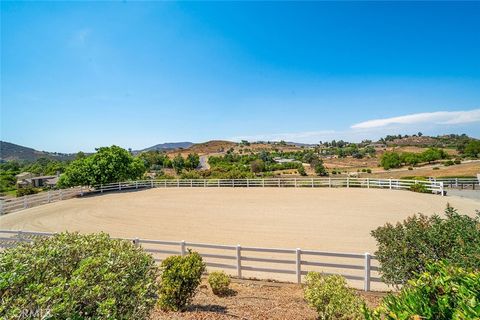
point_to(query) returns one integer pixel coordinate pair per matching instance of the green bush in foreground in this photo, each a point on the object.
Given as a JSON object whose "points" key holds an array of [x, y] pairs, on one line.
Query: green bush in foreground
{"points": [[442, 293], [179, 280], [73, 276], [219, 282], [331, 297], [406, 248]]}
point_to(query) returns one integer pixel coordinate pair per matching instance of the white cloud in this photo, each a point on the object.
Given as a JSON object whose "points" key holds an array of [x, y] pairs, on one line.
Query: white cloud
{"points": [[438, 118], [432, 123]]}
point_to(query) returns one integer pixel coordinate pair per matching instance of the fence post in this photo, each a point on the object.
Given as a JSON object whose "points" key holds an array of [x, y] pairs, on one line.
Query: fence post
{"points": [[191, 183], [348, 182], [204, 183], [151, 183], [239, 261], [366, 284], [81, 191], [119, 186], [279, 182], [298, 265], [233, 183], [48, 197], [312, 182], [368, 183], [248, 183], [136, 242], [329, 182], [218, 183], [390, 183], [25, 202], [441, 188], [182, 248], [20, 235], [101, 188], [263, 183]]}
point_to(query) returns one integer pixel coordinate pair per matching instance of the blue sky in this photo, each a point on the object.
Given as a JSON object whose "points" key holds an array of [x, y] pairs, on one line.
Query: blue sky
{"points": [[78, 75]]}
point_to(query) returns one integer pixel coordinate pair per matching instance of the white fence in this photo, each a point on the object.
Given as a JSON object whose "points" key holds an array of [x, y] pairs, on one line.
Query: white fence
{"points": [[238, 260], [34, 200], [16, 204], [461, 183]]}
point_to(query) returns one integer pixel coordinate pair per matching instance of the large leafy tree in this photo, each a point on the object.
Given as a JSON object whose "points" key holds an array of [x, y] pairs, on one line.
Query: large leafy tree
{"points": [[472, 148], [108, 164], [178, 163], [390, 160], [192, 161]]}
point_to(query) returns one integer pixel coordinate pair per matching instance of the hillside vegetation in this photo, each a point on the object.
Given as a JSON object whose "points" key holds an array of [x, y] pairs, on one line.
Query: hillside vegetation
{"points": [[392, 157]]}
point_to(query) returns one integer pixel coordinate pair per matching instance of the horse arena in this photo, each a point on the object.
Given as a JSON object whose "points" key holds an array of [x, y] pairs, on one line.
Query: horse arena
{"points": [[338, 219], [332, 225]]}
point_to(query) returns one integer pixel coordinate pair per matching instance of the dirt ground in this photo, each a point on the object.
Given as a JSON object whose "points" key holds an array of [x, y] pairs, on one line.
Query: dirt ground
{"points": [[253, 300], [322, 219], [333, 220]]}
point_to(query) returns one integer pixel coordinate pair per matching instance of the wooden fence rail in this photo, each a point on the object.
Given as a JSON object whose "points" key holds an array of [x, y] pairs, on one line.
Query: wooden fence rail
{"points": [[24, 202], [239, 259]]}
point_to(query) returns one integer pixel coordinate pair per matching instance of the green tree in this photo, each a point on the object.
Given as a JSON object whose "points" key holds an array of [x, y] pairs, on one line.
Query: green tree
{"points": [[107, 165], [390, 160], [433, 154], [472, 148], [178, 163], [318, 167], [192, 161]]}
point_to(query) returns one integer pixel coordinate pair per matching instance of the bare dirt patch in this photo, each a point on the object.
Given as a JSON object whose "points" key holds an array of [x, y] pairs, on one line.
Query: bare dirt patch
{"points": [[253, 300]]}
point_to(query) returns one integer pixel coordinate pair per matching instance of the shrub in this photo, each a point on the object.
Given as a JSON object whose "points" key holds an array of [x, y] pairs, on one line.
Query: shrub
{"points": [[406, 248], [448, 163], [301, 170], [331, 297], [457, 161], [219, 282], [73, 276], [27, 191], [435, 168], [443, 292], [179, 280], [369, 170], [410, 168], [418, 187]]}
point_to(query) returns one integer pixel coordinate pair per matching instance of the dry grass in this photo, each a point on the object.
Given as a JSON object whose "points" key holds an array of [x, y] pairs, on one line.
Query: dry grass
{"points": [[464, 169], [253, 300]]}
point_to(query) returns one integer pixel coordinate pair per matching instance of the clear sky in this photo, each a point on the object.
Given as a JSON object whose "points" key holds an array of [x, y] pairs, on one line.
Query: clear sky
{"points": [[78, 75]]}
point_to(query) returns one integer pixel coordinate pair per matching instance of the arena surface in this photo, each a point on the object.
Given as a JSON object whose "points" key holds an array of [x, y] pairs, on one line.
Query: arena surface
{"points": [[319, 219]]}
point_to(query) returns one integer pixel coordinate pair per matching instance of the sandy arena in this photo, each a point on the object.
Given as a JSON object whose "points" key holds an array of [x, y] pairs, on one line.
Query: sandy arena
{"points": [[320, 219]]}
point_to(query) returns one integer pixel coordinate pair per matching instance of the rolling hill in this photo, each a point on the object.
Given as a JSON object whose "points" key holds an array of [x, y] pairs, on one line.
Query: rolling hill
{"points": [[11, 151]]}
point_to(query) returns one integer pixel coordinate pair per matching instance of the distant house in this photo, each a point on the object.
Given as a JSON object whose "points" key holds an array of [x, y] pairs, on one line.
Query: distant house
{"points": [[27, 179]]}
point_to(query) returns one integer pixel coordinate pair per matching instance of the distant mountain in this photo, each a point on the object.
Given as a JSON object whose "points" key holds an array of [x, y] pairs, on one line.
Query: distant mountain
{"points": [[168, 146], [11, 151], [299, 144]]}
